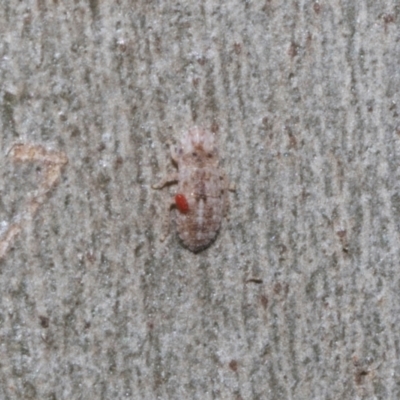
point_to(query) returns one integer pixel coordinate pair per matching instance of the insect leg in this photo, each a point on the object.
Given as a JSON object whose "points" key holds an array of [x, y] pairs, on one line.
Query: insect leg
{"points": [[168, 179], [174, 154], [166, 221]]}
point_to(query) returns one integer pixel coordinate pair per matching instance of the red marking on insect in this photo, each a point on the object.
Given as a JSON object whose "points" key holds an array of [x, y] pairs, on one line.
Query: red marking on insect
{"points": [[181, 203]]}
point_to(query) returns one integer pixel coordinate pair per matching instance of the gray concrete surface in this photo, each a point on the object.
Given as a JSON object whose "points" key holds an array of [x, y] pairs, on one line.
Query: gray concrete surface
{"points": [[299, 297]]}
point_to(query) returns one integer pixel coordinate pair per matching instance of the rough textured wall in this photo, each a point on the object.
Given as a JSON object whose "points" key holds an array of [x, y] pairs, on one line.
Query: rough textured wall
{"points": [[299, 297]]}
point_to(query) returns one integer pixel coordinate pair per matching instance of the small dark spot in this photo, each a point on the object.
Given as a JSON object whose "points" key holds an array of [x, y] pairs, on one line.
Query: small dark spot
{"points": [[103, 180], [157, 43], [389, 18], [317, 8], [237, 47], [118, 162], [90, 256], [214, 127], [10, 97], [254, 280], [122, 46], [360, 375], [101, 147], [75, 132], [282, 249], [281, 287], [293, 50], [233, 365], [209, 155], [44, 321], [266, 6], [264, 301], [356, 361], [196, 82], [94, 8], [265, 121], [342, 233], [201, 60], [277, 287], [309, 39], [150, 325], [194, 154], [292, 141], [87, 325]]}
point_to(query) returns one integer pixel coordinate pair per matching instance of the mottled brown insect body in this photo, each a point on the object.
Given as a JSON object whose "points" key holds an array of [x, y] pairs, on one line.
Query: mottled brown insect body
{"points": [[202, 187]]}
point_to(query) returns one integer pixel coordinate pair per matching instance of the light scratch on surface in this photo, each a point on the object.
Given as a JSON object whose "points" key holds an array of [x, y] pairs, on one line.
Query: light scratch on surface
{"points": [[52, 162]]}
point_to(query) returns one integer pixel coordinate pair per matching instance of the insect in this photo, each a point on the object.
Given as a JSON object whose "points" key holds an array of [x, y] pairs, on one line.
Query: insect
{"points": [[201, 200]]}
